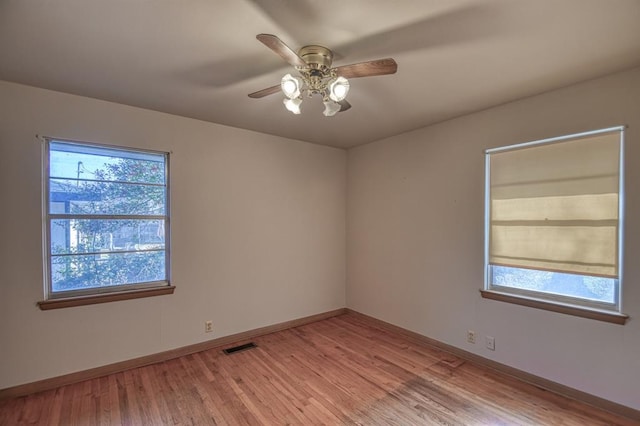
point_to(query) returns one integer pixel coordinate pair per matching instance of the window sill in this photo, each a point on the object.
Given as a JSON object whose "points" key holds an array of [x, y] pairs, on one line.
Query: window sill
{"points": [[612, 317], [68, 302]]}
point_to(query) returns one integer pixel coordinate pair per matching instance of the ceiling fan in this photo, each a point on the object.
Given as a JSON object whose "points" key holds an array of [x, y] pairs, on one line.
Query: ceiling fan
{"points": [[313, 63]]}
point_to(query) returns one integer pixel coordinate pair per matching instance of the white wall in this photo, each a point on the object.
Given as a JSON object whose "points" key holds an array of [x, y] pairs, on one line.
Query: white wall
{"points": [[258, 235], [415, 239]]}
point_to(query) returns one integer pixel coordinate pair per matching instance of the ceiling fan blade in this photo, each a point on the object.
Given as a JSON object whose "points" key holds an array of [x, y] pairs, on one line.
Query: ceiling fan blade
{"points": [[265, 92], [284, 51], [453, 26], [368, 69], [344, 105]]}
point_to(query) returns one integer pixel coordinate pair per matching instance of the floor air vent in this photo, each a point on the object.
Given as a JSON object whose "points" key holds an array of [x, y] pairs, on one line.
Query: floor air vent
{"points": [[235, 349]]}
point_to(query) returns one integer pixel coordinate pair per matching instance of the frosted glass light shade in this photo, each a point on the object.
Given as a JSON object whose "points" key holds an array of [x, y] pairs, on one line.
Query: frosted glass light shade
{"points": [[293, 105], [330, 108]]}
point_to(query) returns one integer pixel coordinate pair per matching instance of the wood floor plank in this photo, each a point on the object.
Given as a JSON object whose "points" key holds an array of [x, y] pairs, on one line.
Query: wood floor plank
{"points": [[344, 370]]}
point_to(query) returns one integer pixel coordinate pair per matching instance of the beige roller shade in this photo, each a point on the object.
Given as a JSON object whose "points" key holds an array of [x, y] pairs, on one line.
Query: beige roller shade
{"points": [[555, 206]]}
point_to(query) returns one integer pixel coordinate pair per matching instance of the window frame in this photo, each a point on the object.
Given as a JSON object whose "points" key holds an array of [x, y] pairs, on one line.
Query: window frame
{"points": [[76, 297], [610, 312]]}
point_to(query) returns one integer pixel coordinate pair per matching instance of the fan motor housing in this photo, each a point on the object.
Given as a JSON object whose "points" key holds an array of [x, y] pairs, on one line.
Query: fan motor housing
{"points": [[317, 57]]}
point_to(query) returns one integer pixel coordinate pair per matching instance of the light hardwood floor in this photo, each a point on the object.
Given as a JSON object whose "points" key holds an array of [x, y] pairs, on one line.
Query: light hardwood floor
{"points": [[340, 371]]}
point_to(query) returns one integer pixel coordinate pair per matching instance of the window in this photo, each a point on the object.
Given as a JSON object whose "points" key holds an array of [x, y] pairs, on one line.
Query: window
{"points": [[106, 219], [554, 223]]}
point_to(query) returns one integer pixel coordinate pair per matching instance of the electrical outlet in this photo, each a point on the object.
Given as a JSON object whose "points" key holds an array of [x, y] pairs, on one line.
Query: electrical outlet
{"points": [[208, 326], [471, 336], [491, 343]]}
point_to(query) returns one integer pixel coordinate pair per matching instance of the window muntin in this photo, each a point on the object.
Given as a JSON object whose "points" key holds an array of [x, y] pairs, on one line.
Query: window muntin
{"points": [[554, 219], [107, 221]]}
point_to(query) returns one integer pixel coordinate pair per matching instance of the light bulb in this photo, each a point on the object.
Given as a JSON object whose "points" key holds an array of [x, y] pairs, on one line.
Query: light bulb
{"points": [[338, 89], [291, 86]]}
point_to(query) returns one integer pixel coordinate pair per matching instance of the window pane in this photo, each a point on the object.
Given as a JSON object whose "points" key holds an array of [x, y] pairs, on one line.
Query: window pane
{"points": [[84, 162], [106, 198], [571, 285], [77, 272], [100, 200], [78, 236]]}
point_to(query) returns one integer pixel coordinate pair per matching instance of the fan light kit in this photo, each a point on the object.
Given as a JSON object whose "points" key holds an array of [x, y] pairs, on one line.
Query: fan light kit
{"points": [[313, 63], [333, 90]]}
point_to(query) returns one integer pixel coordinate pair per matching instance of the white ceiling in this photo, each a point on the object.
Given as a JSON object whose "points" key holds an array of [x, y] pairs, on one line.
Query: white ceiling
{"points": [[200, 58]]}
